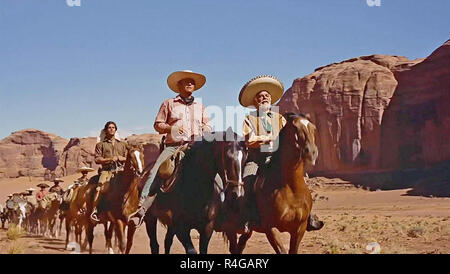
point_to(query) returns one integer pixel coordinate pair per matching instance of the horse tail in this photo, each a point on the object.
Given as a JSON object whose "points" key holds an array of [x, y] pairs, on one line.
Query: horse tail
{"points": [[225, 238]]}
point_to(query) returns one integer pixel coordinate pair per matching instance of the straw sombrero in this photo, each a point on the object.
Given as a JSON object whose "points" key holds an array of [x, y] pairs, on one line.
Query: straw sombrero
{"points": [[31, 189], [85, 169], [175, 77], [44, 185], [264, 82], [58, 180]]}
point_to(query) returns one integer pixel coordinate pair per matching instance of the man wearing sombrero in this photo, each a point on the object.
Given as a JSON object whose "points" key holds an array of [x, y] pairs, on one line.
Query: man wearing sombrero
{"points": [[84, 175], [180, 118], [42, 192], [56, 187], [261, 129]]}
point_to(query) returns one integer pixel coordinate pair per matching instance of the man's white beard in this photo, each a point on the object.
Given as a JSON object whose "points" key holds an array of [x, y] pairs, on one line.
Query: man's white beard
{"points": [[264, 107]]}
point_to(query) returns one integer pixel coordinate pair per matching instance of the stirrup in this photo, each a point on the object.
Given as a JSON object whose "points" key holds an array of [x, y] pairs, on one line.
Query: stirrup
{"points": [[135, 215], [94, 217]]}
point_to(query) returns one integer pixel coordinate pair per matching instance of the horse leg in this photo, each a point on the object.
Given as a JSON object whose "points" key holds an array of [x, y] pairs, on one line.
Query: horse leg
{"points": [[90, 235], [205, 237], [232, 240], [243, 241], [296, 237], [183, 234], [150, 225], [168, 240], [120, 231], [67, 231], [275, 241], [108, 237], [130, 235]]}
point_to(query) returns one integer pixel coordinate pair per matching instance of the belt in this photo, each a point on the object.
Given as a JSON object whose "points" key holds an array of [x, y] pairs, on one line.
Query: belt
{"points": [[176, 144]]}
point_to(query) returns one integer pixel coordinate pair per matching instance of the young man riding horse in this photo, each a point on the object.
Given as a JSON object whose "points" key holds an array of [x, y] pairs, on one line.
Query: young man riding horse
{"points": [[261, 129], [180, 118], [111, 153]]}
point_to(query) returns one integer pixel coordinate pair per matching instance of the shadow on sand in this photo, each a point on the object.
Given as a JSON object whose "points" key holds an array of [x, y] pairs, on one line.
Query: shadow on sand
{"points": [[432, 181]]}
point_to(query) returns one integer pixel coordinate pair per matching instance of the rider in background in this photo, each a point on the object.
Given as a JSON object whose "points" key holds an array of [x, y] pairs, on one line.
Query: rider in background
{"points": [[42, 192], [56, 187], [111, 153]]}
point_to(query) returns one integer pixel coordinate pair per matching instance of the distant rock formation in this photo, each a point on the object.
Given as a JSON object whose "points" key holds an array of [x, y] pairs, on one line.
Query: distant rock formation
{"points": [[416, 127], [30, 152], [377, 112]]}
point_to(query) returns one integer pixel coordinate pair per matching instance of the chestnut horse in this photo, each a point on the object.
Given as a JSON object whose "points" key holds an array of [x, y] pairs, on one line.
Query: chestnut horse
{"points": [[120, 200], [283, 199], [193, 202]]}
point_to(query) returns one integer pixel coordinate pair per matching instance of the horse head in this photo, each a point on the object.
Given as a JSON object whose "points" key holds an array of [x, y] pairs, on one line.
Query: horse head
{"points": [[232, 153], [135, 159], [299, 132]]}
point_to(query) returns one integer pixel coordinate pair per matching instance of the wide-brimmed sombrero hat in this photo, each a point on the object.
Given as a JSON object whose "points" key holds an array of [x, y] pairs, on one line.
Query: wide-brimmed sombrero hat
{"points": [[30, 189], [85, 169], [269, 83], [43, 185], [58, 180], [175, 77]]}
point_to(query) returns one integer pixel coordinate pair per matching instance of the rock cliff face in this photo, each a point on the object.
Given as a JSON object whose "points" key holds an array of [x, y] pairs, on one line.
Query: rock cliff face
{"points": [[30, 152], [151, 143], [77, 153], [416, 126], [346, 101]]}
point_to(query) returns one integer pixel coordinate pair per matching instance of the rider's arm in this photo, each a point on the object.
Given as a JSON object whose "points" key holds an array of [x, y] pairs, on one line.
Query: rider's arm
{"points": [[98, 156], [161, 124], [123, 153], [206, 125], [251, 139]]}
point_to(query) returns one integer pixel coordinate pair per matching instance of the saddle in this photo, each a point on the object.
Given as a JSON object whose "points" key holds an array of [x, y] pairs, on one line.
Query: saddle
{"points": [[169, 169]]}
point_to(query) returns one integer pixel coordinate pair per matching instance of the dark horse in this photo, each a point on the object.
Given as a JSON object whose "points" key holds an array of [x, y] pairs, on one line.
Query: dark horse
{"points": [[193, 202]]}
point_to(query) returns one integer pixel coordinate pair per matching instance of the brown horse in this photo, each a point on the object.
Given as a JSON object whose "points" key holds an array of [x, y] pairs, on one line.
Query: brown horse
{"points": [[76, 216], [120, 200], [283, 199], [47, 213]]}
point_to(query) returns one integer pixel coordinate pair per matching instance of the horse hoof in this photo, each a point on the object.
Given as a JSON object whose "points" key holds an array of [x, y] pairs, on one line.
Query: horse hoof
{"points": [[110, 250], [191, 251]]}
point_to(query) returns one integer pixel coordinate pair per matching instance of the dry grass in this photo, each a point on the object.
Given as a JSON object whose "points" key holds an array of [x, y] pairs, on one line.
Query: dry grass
{"points": [[16, 247], [14, 232], [416, 231]]}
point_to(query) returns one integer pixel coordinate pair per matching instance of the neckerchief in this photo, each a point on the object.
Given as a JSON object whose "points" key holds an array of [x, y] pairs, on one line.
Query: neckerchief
{"points": [[265, 121], [188, 101]]}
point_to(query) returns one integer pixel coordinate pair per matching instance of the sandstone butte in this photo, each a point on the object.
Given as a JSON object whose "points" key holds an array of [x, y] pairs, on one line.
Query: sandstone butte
{"points": [[377, 112]]}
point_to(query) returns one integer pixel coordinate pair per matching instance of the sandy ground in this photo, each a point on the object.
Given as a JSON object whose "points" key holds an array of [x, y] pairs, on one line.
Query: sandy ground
{"points": [[353, 218]]}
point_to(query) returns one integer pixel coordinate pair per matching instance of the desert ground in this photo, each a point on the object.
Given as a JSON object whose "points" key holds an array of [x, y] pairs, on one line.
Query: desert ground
{"points": [[353, 217]]}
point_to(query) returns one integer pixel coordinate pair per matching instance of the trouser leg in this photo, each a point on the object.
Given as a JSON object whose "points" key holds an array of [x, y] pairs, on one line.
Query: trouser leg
{"points": [[249, 177], [165, 154]]}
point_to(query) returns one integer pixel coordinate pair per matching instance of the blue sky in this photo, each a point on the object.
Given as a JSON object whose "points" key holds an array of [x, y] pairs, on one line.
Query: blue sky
{"points": [[68, 70]]}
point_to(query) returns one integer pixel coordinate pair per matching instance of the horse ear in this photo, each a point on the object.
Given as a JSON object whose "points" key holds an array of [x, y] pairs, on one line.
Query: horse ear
{"points": [[290, 116]]}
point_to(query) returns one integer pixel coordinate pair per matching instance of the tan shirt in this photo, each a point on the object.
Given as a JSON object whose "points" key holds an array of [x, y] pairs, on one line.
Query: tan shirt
{"points": [[255, 133], [109, 149], [174, 112]]}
